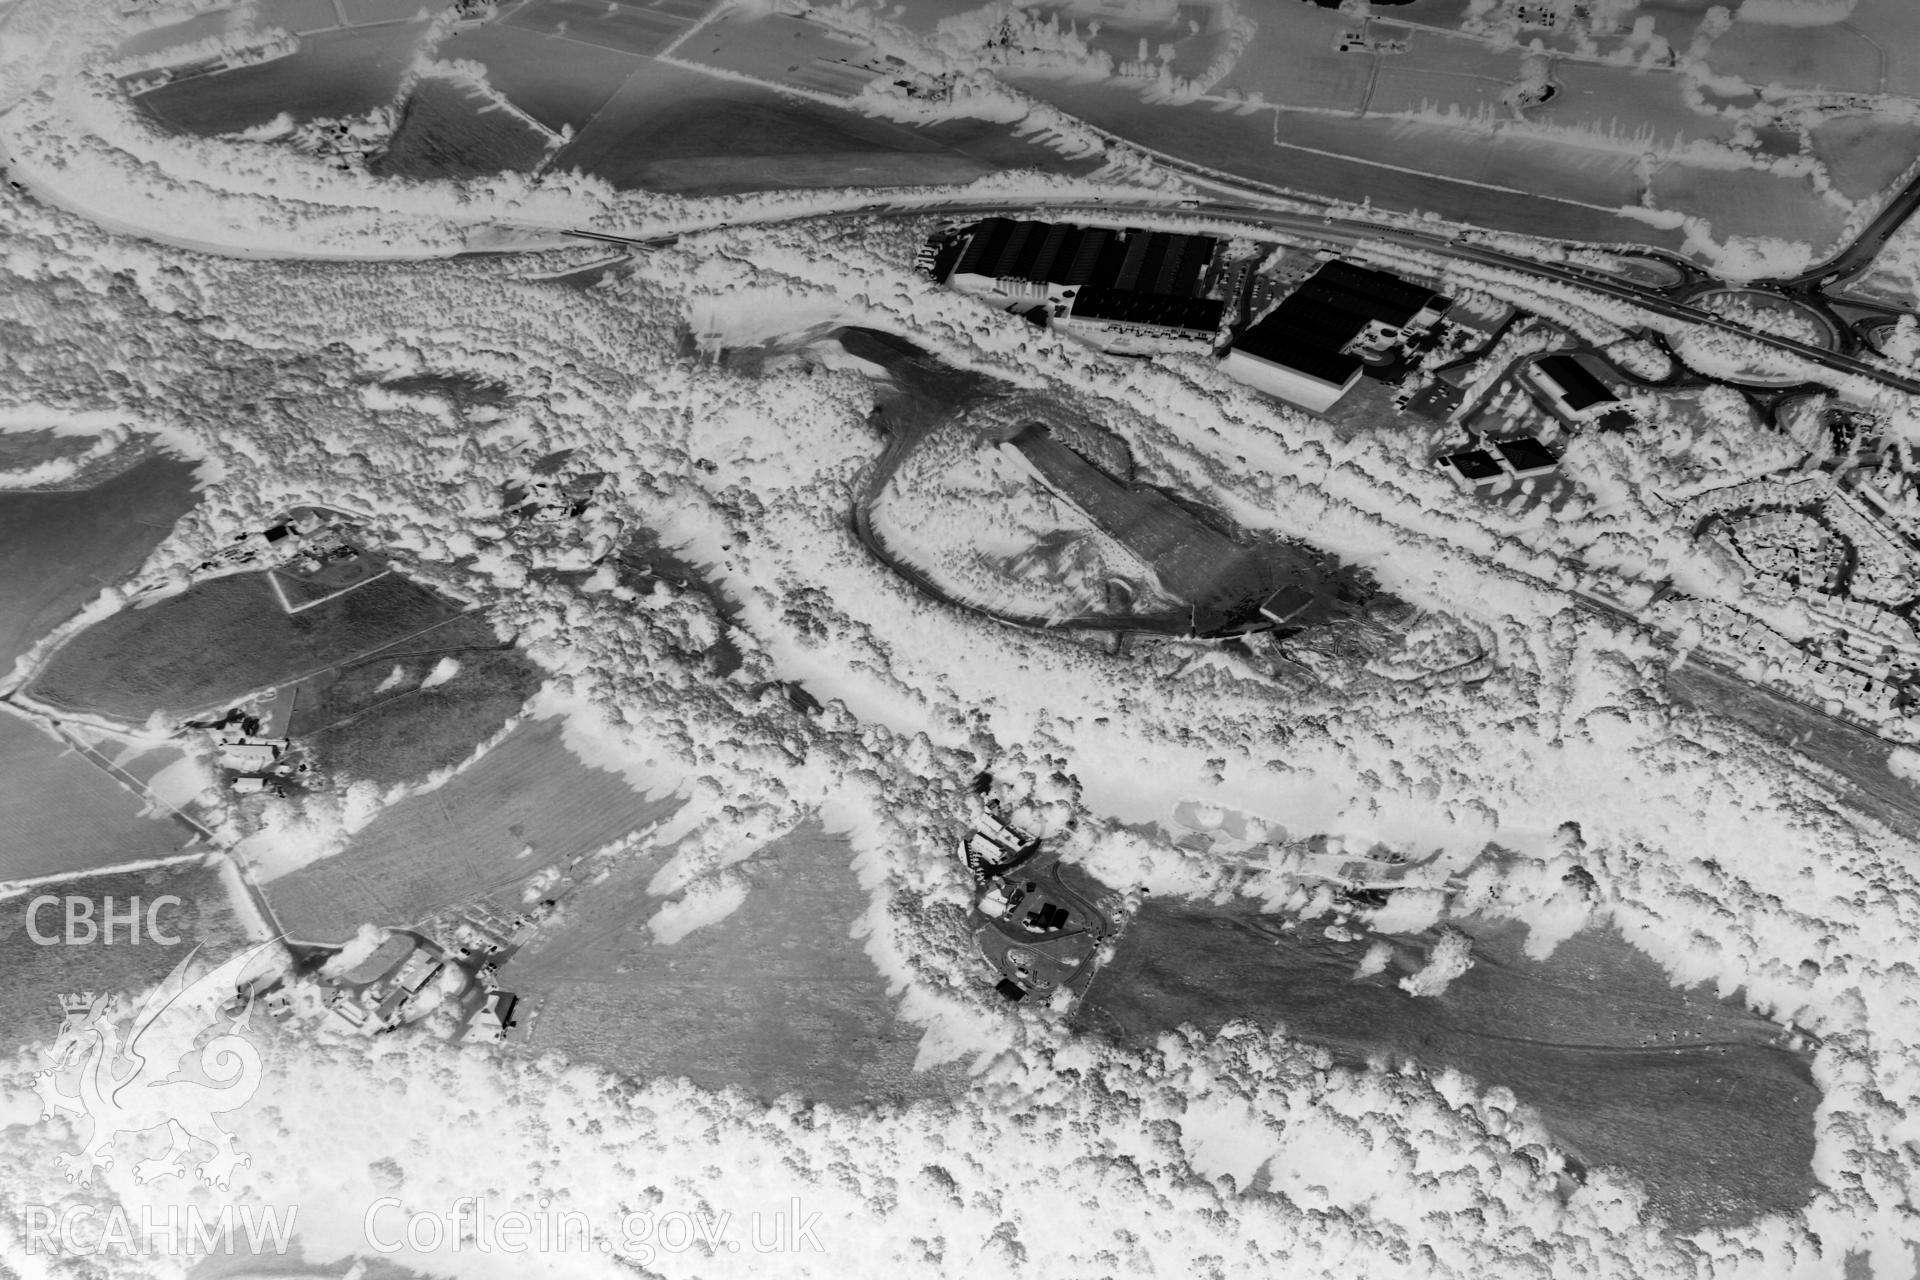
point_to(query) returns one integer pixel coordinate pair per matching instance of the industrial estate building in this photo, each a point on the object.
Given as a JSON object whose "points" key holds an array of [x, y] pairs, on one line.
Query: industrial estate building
{"points": [[1310, 348], [1131, 292], [1140, 292], [1567, 388]]}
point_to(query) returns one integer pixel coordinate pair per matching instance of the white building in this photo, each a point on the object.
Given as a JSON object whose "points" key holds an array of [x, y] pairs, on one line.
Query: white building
{"points": [[1291, 370]]}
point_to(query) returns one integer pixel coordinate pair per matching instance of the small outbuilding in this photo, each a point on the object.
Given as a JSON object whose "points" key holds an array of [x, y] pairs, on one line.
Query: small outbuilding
{"points": [[1474, 469]]}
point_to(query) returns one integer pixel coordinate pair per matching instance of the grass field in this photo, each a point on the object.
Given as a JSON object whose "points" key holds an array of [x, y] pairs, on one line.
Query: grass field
{"points": [[1838, 60], [1120, 30], [57, 550], [1292, 59], [1510, 162], [223, 638], [336, 73], [620, 25], [302, 17], [1746, 202], [302, 590], [356, 730], [1894, 28], [774, 999], [782, 50], [59, 813], [674, 129], [449, 130], [556, 81], [1685, 1092], [435, 850], [38, 976], [361, 12], [1864, 155], [22, 450], [1331, 156]]}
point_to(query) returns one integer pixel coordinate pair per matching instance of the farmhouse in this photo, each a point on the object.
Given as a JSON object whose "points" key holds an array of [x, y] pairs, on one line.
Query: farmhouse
{"points": [[249, 755], [496, 1016], [1311, 348]]}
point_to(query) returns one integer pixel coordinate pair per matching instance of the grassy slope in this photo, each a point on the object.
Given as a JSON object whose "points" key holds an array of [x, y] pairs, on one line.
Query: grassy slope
{"points": [[58, 549], [444, 133], [444, 847], [776, 998], [59, 813], [1717, 1124], [38, 976], [355, 731]]}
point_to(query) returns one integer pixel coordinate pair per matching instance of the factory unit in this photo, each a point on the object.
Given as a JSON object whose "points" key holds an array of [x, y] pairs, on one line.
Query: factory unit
{"points": [[1314, 344], [1127, 291]]}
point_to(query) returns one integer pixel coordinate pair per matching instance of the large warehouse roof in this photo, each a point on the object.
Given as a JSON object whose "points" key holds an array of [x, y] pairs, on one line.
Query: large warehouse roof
{"points": [[1088, 257], [1198, 315], [1308, 329], [1578, 388]]}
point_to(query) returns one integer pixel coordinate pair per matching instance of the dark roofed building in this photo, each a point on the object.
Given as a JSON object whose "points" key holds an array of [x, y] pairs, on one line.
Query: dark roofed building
{"points": [[1298, 351], [1394, 301], [1297, 340], [1295, 352], [1474, 467], [1001, 250], [1117, 320], [1571, 387], [1527, 457]]}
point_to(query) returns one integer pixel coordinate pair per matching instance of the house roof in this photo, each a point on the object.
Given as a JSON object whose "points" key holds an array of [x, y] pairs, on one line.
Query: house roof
{"points": [[1525, 453], [1474, 464]]}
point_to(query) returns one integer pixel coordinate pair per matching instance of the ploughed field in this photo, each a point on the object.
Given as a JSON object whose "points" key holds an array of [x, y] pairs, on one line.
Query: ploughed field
{"points": [[1691, 1095], [221, 639]]}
